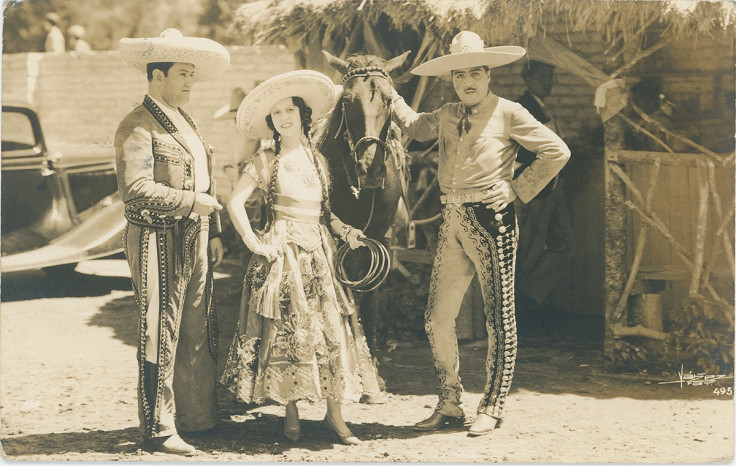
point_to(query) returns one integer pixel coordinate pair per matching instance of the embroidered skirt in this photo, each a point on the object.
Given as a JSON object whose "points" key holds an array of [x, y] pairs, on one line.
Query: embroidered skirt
{"points": [[298, 337]]}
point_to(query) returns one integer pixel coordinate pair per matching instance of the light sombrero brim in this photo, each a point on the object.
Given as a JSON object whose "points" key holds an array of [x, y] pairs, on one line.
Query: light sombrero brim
{"points": [[491, 57], [315, 88], [209, 58]]}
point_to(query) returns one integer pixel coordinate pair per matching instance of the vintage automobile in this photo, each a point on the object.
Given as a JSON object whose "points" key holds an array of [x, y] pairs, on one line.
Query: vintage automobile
{"points": [[57, 209]]}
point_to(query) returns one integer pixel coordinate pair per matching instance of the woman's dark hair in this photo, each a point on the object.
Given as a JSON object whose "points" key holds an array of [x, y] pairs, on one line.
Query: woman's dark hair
{"points": [[305, 115]]}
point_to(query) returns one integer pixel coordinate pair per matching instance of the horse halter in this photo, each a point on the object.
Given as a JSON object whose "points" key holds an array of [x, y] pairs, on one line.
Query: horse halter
{"points": [[364, 73]]}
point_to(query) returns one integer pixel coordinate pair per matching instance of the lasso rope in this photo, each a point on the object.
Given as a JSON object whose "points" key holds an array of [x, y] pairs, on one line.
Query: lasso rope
{"points": [[380, 265]]}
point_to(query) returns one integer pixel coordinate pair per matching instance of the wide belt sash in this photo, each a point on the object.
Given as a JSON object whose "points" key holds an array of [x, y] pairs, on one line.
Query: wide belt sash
{"points": [[466, 198], [296, 210]]}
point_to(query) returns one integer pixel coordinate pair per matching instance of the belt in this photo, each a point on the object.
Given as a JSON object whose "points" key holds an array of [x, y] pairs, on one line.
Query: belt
{"points": [[463, 198]]}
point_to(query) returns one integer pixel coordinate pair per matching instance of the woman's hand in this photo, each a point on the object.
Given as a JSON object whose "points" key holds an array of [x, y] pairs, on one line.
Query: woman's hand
{"points": [[266, 250], [353, 238]]}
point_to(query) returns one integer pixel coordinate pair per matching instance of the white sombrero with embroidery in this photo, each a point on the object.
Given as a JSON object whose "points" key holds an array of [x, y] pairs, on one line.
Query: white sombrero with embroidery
{"points": [[315, 88], [466, 51], [209, 58]]}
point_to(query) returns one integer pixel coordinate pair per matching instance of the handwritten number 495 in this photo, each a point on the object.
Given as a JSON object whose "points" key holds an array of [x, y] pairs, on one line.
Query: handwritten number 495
{"points": [[723, 391]]}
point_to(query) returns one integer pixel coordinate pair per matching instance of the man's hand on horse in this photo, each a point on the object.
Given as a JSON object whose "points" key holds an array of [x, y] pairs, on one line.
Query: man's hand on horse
{"points": [[499, 196], [353, 238]]}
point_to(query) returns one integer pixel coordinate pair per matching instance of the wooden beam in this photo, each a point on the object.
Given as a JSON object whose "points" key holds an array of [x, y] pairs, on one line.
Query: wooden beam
{"points": [[640, 245], [700, 226], [676, 159], [620, 331], [615, 233]]}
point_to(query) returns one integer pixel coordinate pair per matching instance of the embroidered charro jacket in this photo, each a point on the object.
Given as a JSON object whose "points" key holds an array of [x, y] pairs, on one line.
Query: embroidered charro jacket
{"points": [[155, 169]]}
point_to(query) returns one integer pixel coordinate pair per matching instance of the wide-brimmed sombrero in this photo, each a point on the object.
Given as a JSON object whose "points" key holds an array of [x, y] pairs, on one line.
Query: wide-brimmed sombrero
{"points": [[466, 51], [315, 88], [209, 58]]}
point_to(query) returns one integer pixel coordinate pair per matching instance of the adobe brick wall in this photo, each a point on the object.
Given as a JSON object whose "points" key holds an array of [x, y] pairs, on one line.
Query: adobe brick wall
{"points": [[81, 99]]}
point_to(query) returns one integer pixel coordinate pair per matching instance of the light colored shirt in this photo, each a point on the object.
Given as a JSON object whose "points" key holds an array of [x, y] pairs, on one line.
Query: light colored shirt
{"points": [[201, 170], [81, 46], [473, 161], [54, 41]]}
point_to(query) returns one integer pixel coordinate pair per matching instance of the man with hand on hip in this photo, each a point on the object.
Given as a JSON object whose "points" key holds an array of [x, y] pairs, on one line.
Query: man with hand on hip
{"points": [[172, 240], [479, 138]]}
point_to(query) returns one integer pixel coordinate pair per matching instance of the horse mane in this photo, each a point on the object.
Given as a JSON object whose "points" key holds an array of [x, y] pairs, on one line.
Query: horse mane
{"points": [[328, 125]]}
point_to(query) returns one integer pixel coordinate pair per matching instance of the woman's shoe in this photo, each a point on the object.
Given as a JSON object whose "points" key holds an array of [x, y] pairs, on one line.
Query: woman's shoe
{"points": [[292, 434], [347, 438]]}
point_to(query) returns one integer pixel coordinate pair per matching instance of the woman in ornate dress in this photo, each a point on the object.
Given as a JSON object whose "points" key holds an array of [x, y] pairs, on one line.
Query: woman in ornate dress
{"points": [[294, 339]]}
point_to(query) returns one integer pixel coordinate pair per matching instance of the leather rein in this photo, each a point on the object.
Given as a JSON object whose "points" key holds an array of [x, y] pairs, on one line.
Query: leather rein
{"points": [[364, 73]]}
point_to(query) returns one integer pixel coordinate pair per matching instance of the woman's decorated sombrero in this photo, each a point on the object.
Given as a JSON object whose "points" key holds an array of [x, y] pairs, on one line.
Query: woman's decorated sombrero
{"points": [[209, 58], [467, 51], [315, 88]]}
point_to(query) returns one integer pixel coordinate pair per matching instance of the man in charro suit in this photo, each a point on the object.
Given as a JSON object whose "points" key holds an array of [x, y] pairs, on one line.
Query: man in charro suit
{"points": [[165, 178]]}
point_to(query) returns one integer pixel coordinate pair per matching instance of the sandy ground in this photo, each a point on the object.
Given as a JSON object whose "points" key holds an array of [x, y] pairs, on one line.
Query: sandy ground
{"points": [[68, 378]]}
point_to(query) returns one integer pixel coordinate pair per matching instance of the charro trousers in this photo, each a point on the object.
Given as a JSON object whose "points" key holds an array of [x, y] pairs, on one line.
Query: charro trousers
{"points": [[473, 239], [177, 345]]}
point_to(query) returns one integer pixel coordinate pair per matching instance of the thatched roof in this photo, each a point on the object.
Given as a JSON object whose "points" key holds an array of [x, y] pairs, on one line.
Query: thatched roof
{"points": [[497, 21]]}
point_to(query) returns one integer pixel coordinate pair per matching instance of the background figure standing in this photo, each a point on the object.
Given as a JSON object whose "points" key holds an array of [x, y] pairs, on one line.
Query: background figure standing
{"points": [[54, 41], [544, 245], [172, 240], [75, 34], [478, 140]]}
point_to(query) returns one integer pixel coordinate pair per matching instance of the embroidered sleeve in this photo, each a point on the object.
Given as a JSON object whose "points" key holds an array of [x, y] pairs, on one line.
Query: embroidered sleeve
{"points": [[250, 169]]}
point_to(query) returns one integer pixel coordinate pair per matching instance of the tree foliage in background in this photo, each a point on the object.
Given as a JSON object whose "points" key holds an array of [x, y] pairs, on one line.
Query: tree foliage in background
{"points": [[106, 22]]}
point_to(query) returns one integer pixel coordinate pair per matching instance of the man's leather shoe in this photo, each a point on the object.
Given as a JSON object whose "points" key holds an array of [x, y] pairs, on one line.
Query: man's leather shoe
{"points": [[437, 421], [484, 424], [172, 444]]}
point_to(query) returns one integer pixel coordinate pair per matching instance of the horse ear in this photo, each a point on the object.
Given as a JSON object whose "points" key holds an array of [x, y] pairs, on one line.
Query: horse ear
{"points": [[396, 62], [337, 63]]}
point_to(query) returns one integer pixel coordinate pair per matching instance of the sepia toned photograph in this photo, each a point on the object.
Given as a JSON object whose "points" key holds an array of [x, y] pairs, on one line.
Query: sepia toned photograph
{"points": [[368, 231]]}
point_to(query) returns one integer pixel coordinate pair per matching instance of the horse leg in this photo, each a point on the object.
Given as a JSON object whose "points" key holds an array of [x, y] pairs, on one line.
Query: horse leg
{"points": [[374, 393]]}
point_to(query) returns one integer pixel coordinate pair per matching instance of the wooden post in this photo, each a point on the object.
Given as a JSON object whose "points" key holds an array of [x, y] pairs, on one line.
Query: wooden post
{"points": [[615, 230]]}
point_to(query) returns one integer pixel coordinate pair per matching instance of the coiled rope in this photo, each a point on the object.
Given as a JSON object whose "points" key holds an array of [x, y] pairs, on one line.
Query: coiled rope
{"points": [[380, 265]]}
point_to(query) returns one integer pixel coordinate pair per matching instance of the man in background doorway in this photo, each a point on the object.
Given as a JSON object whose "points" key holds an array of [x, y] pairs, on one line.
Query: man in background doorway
{"points": [[544, 223]]}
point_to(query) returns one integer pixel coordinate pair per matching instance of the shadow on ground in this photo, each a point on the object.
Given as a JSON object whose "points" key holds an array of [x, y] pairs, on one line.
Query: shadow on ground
{"points": [[261, 434]]}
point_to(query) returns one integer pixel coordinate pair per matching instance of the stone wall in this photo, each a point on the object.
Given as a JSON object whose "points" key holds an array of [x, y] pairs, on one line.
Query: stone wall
{"points": [[81, 99]]}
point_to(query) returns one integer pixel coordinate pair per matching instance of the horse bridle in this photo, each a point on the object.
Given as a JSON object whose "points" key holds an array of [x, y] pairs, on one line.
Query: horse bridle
{"points": [[380, 263], [365, 73]]}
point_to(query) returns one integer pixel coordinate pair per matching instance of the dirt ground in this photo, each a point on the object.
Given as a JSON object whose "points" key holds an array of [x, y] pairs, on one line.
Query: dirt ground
{"points": [[68, 393]]}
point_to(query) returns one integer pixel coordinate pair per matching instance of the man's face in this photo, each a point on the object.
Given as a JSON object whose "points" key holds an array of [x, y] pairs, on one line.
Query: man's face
{"points": [[176, 86], [471, 84], [540, 81]]}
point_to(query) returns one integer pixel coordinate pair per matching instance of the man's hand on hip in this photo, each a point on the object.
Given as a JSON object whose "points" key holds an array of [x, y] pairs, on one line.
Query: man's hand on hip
{"points": [[204, 204], [499, 196]]}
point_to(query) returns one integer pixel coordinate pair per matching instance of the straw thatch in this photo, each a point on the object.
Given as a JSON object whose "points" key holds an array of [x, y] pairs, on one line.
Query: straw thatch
{"points": [[497, 21]]}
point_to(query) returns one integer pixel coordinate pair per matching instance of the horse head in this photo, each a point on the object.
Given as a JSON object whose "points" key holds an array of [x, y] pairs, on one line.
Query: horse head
{"points": [[366, 114]]}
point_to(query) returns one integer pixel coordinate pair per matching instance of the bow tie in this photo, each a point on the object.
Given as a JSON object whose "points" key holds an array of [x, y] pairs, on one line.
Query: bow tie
{"points": [[464, 124]]}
